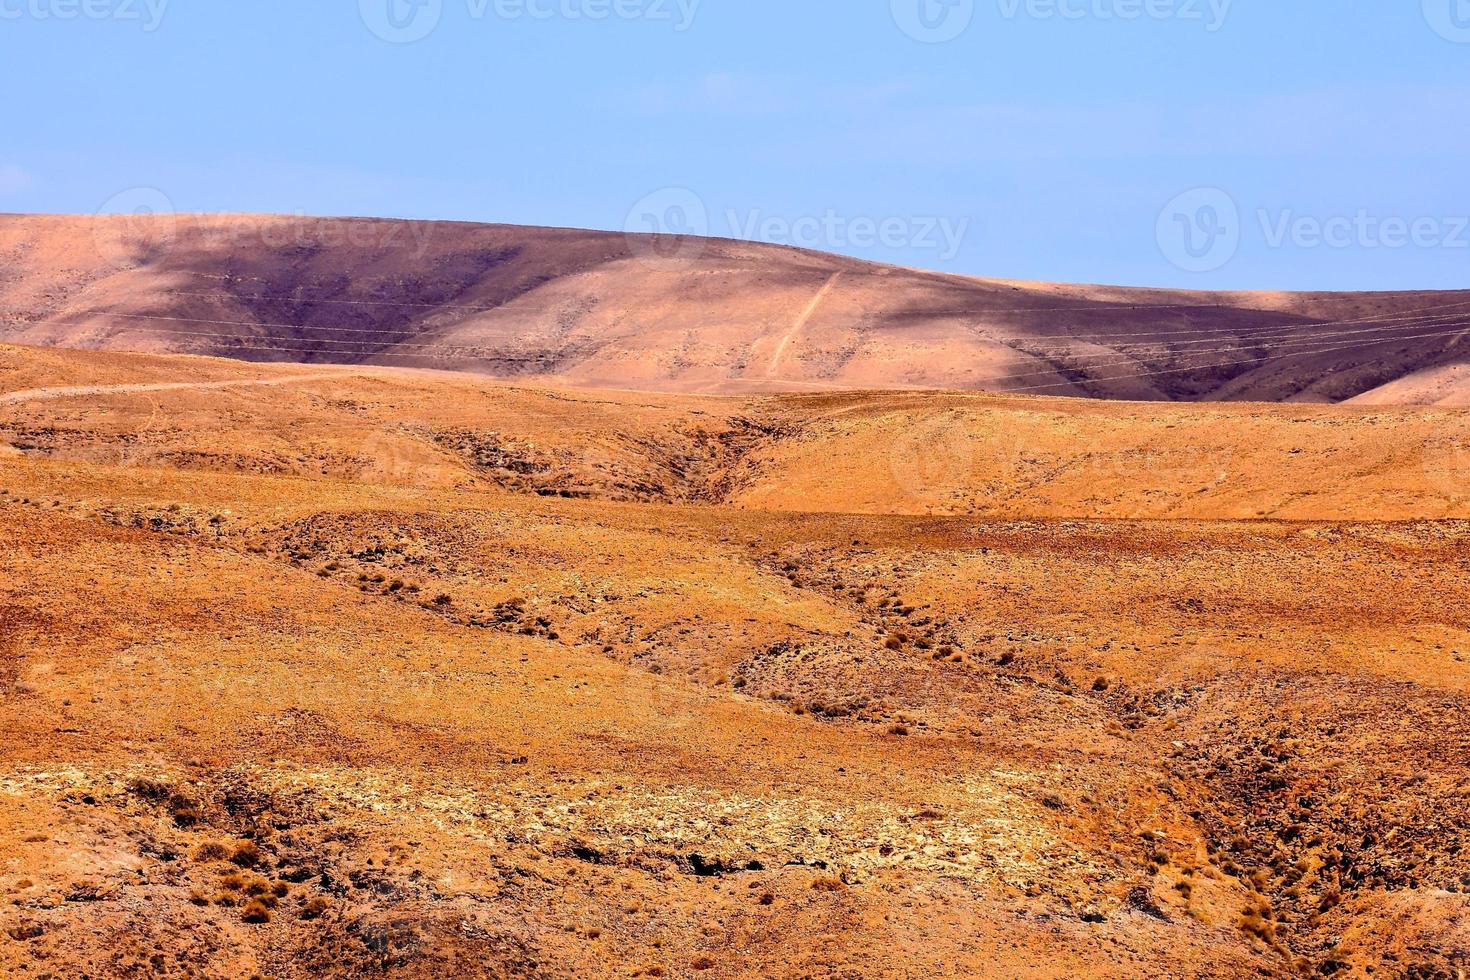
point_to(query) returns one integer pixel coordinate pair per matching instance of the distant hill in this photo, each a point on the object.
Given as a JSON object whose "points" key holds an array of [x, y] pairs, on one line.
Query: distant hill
{"points": [[604, 309]]}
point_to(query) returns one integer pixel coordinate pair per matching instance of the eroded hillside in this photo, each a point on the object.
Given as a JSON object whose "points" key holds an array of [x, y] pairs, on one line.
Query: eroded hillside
{"points": [[337, 672]]}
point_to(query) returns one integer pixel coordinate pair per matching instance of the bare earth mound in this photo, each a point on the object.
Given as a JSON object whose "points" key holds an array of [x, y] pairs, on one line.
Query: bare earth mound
{"points": [[312, 670], [626, 311]]}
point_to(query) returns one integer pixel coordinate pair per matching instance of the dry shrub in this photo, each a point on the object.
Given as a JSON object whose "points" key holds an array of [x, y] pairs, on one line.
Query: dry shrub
{"points": [[247, 854], [211, 851]]}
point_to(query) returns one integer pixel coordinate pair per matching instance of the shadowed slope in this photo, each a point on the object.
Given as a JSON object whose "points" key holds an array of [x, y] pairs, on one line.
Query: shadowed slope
{"points": [[612, 310]]}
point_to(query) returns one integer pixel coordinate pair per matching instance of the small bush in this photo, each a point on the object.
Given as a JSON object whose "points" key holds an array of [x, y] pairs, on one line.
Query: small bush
{"points": [[211, 851], [256, 913], [149, 789], [1252, 924], [315, 908], [186, 812]]}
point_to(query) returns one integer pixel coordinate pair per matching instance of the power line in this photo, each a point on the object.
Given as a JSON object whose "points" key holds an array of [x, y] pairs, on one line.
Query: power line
{"points": [[1099, 306], [1384, 317], [1282, 338], [1201, 367], [1064, 340], [1288, 340], [1273, 343], [340, 302]]}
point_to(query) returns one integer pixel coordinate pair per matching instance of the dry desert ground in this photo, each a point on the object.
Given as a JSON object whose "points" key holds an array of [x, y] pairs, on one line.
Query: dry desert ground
{"points": [[313, 670]]}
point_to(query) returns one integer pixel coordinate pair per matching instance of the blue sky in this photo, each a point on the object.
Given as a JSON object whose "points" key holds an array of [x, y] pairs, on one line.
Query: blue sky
{"points": [[1204, 143]]}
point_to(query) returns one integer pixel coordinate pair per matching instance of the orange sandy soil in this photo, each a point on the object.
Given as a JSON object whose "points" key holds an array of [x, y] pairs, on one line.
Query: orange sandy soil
{"points": [[375, 673]]}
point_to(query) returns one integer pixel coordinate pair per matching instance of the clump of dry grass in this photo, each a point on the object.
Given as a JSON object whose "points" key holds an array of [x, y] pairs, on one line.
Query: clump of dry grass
{"points": [[211, 851], [247, 854], [314, 907], [256, 913]]}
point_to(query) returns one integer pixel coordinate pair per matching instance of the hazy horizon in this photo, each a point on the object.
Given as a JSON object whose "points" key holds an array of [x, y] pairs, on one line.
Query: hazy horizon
{"points": [[1175, 143]]}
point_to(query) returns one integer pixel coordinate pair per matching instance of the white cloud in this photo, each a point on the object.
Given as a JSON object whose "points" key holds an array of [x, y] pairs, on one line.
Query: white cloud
{"points": [[14, 180]]}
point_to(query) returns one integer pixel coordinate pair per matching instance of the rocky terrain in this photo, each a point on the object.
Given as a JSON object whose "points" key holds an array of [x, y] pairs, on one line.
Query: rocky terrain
{"points": [[316, 670]]}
